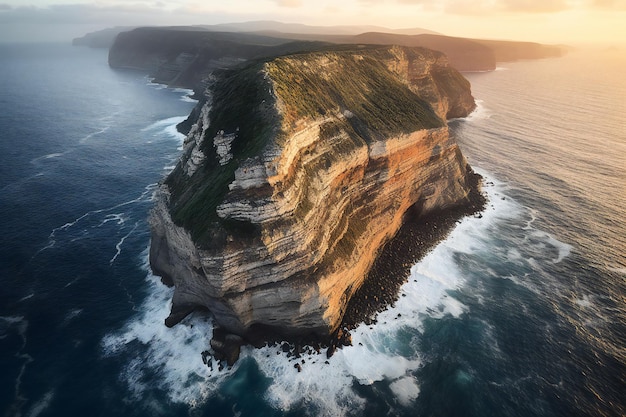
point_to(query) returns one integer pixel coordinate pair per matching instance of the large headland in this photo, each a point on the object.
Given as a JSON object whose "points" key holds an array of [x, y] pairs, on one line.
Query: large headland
{"points": [[313, 173]]}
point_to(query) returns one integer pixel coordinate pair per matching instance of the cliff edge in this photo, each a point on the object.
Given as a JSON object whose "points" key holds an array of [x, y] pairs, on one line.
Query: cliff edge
{"points": [[296, 172]]}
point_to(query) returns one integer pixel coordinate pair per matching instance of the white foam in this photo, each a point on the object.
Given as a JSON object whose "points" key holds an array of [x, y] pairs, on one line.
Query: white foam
{"points": [[74, 281], [499, 205], [564, 250], [513, 255], [173, 132], [46, 157], [480, 113], [543, 242], [93, 134], [41, 405], [524, 280], [501, 69], [188, 99], [118, 246], [26, 297], [7, 322], [173, 352], [19, 321], [164, 122], [533, 217], [154, 84], [72, 314], [118, 218], [186, 91], [584, 302], [167, 127], [49, 156], [406, 390], [323, 387], [20, 324]]}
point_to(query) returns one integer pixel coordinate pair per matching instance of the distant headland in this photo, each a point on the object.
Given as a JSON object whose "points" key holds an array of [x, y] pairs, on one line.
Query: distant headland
{"points": [[464, 54]]}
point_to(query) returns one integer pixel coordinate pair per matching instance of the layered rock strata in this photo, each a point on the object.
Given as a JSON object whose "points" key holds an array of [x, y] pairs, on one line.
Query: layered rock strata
{"points": [[295, 174]]}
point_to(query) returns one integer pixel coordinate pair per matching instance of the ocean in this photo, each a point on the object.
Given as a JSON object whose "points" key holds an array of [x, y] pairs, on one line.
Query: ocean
{"points": [[521, 311]]}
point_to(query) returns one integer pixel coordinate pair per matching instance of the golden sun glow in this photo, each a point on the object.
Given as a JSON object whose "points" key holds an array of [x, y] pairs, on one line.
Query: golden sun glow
{"points": [[548, 21]]}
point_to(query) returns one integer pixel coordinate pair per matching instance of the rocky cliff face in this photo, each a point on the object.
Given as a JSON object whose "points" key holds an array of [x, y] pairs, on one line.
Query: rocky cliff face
{"points": [[296, 172]]}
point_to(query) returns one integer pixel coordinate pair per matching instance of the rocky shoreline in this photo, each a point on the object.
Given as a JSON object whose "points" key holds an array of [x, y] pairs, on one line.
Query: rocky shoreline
{"points": [[418, 235]]}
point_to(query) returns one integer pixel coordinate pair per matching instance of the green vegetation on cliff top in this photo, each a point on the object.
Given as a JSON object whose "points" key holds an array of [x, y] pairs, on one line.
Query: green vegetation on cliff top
{"points": [[308, 86], [320, 83], [242, 104]]}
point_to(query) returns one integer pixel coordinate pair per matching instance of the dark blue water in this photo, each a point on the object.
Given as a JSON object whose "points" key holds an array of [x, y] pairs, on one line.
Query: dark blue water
{"points": [[82, 148], [521, 312]]}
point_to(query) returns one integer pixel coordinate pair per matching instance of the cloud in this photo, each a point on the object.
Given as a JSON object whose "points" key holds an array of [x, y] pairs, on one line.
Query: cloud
{"points": [[63, 22], [5, 6], [506, 6], [289, 3], [486, 7], [610, 4], [533, 6], [77, 14]]}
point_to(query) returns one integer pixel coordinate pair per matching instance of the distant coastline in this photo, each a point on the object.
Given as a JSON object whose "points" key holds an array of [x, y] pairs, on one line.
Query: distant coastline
{"points": [[198, 42]]}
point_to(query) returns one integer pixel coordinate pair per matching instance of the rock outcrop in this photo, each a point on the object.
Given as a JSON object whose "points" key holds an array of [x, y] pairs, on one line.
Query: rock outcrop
{"points": [[101, 38], [297, 170]]}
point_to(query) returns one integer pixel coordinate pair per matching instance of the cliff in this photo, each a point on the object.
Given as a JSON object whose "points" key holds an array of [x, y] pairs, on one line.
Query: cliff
{"points": [[463, 54], [507, 51], [297, 171], [469, 54], [101, 38], [183, 56]]}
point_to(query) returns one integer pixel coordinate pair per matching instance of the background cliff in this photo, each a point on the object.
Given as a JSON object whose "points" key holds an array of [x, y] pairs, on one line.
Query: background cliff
{"points": [[183, 56], [297, 170]]}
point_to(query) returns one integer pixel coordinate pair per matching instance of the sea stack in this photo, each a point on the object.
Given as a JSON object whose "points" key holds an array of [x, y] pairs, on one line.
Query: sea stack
{"points": [[296, 171]]}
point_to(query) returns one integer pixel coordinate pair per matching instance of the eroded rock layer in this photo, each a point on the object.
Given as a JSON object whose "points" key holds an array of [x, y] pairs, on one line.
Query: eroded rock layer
{"points": [[296, 172]]}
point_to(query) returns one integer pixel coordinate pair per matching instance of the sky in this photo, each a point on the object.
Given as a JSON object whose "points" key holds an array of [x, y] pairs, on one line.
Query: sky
{"points": [[548, 21]]}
